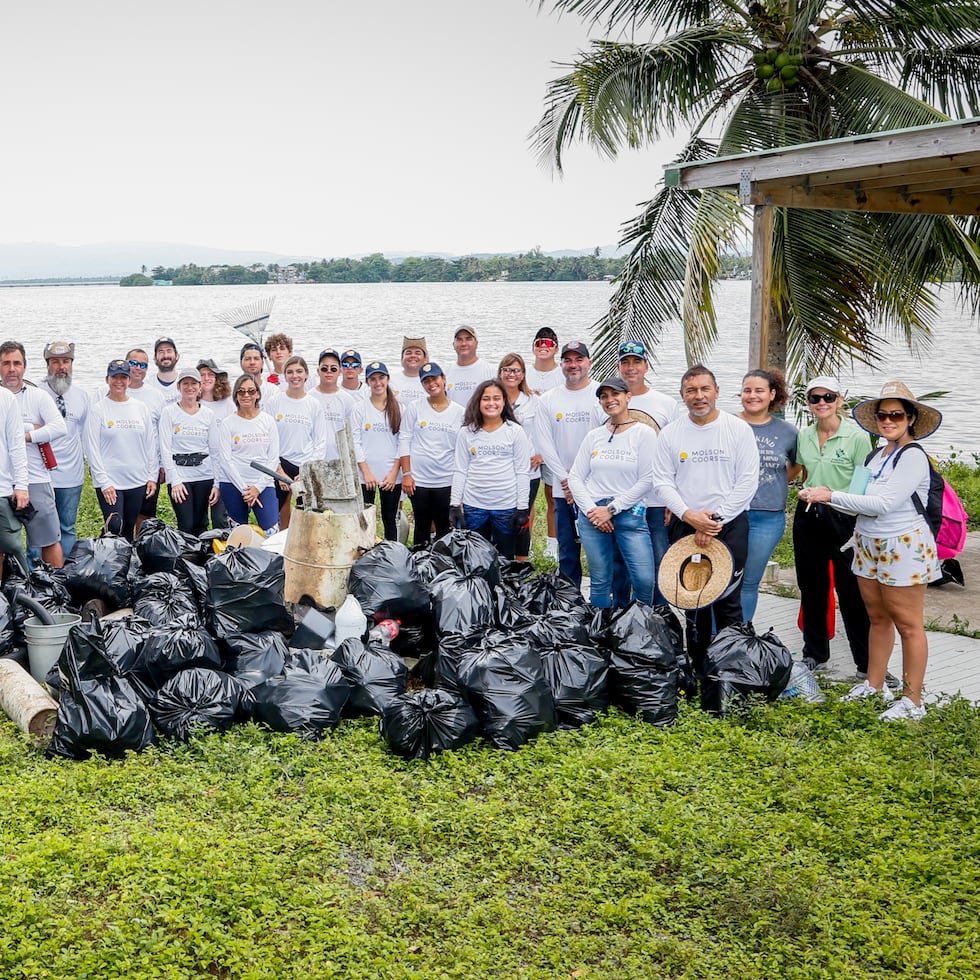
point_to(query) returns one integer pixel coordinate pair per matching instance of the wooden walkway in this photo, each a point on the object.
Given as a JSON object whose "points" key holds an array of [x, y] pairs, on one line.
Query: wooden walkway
{"points": [[954, 661]]}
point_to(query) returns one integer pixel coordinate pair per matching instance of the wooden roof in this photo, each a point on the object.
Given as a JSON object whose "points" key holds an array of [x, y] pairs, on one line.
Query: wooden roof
{"points": [[924, 170]]}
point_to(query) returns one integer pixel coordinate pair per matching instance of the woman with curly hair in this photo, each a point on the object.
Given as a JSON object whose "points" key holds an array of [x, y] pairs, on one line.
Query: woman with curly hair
{"points": [[895, 554]]}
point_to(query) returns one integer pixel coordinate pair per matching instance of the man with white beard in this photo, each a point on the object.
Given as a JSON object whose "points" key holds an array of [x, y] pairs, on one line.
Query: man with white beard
{"points": [[73, 402]]}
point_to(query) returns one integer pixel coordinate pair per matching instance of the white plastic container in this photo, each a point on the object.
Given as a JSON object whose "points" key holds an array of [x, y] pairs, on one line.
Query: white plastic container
{"points": [[350, 622], [45, 643]]}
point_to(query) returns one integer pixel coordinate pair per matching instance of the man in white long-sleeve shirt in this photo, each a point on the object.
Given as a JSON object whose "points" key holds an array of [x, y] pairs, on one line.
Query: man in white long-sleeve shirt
{"points": [[13, 479], [566, 414], [41, 422], [706, 471]]}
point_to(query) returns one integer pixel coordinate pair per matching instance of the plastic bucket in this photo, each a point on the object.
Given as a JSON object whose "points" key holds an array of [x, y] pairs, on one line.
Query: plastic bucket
{"points": [[45, 643], [245, 536]]}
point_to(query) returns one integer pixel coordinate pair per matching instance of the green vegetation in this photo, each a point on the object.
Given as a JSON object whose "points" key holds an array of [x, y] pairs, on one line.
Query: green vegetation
{"points": [[745, 77], [136, 279], [789, 841]]}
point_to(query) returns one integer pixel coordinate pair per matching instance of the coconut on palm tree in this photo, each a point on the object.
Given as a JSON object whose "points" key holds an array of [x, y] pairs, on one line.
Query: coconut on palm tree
{"points": [[744, 77]]}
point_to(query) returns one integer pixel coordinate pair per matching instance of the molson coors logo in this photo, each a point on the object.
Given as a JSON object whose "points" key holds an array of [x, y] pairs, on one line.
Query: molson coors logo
{"points": [[683, 457]]}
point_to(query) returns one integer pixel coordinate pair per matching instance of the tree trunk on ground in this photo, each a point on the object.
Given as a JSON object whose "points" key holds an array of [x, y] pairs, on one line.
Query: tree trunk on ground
{"points": [[27, 704]]}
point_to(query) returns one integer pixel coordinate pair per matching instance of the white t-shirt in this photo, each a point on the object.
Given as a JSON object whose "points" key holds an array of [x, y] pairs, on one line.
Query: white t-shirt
{"points": [[13, 459], [38, 407], [492, 468], [541, 381], [121, 444], [429, 438], [712, 467], [70, 471], [617, 466], [563, 420], [180, 432], [461, 381], [237, 441], [374, 442], [302, 429], [403, 387]]}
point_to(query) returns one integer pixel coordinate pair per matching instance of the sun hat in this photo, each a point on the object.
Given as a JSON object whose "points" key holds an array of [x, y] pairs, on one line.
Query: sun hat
{"points": [[575, 347], [117, 366], [59, 348], [617, 384], [824, 381], [692, 577], [430, 370], [929, 418], [415, 342], [375, 367], [189, 372]]}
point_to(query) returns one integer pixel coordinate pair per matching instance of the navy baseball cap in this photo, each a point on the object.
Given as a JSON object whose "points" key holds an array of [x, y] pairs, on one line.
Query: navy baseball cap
{"points": [[251, 345], [329, 352], [160, 341], [430, 370], [351, 356], [117, 366], [617, 384], [376, 367]]}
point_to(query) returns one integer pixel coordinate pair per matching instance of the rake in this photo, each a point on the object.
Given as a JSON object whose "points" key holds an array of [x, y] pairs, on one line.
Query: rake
{"points": [[250, 319]]}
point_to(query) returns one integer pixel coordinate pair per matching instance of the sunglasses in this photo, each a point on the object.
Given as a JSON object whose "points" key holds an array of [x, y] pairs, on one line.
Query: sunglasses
{"points": [[329, 369], [350, 364], [139, 364], [512, 370], [248, 391], [544, 342], [895, 416], [829, 397]]}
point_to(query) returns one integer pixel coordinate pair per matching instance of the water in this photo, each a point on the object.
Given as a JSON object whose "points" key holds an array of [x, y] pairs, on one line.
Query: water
{"points": [[105, 321]]}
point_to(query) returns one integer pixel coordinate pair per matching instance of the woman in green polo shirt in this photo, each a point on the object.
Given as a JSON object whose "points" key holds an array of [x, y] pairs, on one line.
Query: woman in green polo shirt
{"points": [[829, 450]]}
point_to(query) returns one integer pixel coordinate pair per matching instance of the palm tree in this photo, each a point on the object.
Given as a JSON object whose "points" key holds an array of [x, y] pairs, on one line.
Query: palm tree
{"points": [[749, 76]]}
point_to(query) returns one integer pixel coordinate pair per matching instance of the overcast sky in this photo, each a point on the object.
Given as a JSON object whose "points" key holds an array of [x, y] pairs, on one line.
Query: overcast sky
{"points": [[303, 126]]}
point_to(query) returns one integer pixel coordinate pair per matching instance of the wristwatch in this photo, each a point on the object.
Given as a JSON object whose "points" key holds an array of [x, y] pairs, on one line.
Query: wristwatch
{"points": [[612, 508]]}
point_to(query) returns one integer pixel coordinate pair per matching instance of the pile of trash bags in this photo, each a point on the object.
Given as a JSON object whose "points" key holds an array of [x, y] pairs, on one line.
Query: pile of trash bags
{"points": [[486, 649]]}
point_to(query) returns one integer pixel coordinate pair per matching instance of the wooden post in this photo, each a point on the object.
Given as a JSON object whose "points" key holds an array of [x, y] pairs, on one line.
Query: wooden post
{"points": [[762, 313], [29, 706]]}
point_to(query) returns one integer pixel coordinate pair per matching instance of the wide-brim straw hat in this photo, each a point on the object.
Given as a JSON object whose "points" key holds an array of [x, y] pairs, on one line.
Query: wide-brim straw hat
{"points": [[928, 421], [692, 577]]}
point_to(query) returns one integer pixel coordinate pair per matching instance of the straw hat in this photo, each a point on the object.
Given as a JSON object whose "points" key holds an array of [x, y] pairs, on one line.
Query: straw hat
{"points": [[692, 577], [928, 421]]}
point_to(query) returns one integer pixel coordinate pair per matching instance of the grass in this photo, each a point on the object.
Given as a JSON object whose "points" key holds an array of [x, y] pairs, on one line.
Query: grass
{"points": [[788, 841]]}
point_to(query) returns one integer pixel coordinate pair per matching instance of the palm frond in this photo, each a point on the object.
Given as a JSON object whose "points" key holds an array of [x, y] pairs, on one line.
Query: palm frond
{"points": [[666, 15], [627, 94]]}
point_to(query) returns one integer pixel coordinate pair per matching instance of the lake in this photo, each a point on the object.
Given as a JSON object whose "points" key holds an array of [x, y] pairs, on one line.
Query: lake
{"points": [[105, 321]]}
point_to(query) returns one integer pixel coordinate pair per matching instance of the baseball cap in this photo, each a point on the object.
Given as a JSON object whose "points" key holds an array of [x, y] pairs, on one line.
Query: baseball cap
{"points": [[575, 347], [376, 367], [824, 381], [207, 362], [617, 384], [59, 348], [351, 355], [117, 366], [430, 370], [329, 352], [632, 348], [251, 345], [464, 328], [189, 372], [163, 340]]}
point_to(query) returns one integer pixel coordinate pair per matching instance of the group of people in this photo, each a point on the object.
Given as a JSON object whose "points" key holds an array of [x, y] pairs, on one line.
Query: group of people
{"points": [[627, 470]]}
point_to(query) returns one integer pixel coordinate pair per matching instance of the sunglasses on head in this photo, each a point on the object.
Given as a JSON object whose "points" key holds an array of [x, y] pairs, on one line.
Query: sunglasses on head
{"points": [[139, 364], [895, 416], [814, 399], [636, 350]]}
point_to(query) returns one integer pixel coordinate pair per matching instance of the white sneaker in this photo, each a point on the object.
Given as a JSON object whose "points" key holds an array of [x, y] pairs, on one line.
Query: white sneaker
{"points": [[865, 690], [905, 709], [551, 548]]}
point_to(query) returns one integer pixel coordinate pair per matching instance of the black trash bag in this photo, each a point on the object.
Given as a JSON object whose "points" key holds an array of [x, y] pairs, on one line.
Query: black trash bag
{"points": [[207, 539], [431, 564], [513, 574], [640, 627], [557, 629], [162, 597], [99, 568], [307, 699], [375, 673], [549, 592], [387, 584], [43, 585], [471, 553], [158, 546], [245, 593], [255, 657], [195, 577], [460, 603], [169, 649], [54, 682], [578, 678], [195, 700], [739, 663], [504, 682], [100, 649], [511, 612], [421, 723], [416, 637], [8, 631], [100, 714], [442, 668]]}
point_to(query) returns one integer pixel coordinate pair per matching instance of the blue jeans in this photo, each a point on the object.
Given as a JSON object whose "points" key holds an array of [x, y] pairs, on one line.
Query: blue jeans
{"points": [[660, 539], [766, 528], [495, 525], [569, 550], [632, 537], [265, 508]]}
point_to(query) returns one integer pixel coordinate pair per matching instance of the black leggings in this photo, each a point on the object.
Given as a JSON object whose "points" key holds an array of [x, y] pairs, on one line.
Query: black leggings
{"points": [[389, 508], [430, 505], [522, 541], [120, 517], [192, 514]]}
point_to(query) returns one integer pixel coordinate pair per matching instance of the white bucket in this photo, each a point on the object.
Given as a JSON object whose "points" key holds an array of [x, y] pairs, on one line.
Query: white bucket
{"points": [[245, 536], [45, 643]]}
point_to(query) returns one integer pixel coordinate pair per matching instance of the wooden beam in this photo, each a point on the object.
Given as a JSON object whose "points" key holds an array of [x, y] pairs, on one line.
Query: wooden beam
{"points": [[861, 199], [762, 314]]}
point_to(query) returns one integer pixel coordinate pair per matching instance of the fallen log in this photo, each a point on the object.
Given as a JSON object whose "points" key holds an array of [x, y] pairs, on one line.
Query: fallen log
{"points": [[26, 703]]}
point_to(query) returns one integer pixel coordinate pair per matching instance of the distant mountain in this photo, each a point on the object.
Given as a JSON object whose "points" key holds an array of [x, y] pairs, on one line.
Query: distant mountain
{"points": [[41, 260]]}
